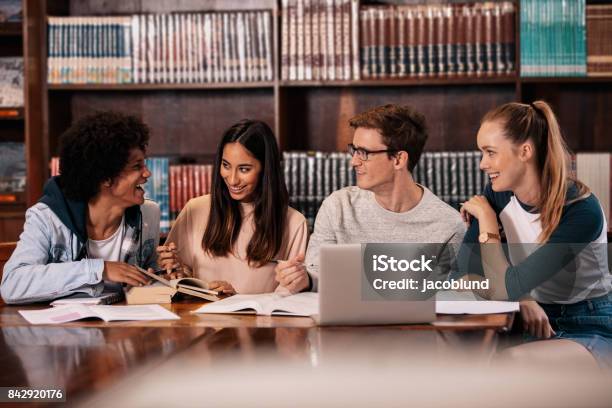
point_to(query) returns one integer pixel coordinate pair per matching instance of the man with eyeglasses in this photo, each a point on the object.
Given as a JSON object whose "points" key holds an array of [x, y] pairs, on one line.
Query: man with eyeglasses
{"points": [[386, 206]]}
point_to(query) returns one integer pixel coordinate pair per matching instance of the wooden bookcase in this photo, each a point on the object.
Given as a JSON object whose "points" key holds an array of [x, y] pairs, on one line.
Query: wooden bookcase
{"points": [[187, 120], [12, 129]]}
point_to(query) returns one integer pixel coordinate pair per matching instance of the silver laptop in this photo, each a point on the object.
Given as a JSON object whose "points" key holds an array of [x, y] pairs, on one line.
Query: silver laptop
{"points": [[340, 294]]}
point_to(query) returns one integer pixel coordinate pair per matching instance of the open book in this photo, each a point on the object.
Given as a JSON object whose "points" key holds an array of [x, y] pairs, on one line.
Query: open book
{"points": [[105, 298], [302, 304], [69, 313], [163, 290]]}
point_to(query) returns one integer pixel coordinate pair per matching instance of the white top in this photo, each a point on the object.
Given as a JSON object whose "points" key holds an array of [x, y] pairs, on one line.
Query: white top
{"points": [[108, 249]]}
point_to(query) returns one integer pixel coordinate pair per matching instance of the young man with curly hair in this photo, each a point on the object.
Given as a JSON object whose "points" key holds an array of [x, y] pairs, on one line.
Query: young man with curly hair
{"points": [[92, 224]]}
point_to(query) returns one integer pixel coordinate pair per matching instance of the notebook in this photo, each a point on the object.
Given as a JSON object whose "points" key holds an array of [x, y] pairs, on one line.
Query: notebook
{"points": [[69, 313], [302, 304], [105, 298]]}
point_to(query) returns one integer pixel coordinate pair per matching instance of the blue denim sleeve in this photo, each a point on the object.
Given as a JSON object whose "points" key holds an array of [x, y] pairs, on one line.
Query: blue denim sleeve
{"points": [[32, 274]]}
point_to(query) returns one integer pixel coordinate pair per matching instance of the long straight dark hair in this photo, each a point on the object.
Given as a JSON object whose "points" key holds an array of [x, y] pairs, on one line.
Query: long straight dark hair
{"points": [[270, 199]]}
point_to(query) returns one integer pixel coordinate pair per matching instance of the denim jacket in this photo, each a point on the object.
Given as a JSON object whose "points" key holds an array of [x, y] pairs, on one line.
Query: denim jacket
{"points": [[51, 259]]}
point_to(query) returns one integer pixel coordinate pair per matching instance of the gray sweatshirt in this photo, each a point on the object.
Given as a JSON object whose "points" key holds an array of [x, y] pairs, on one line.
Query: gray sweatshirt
{"points": [[352, 215]]}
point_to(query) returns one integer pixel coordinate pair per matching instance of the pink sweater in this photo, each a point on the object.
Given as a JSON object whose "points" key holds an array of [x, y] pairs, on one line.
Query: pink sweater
{"points": [[187, 233]]}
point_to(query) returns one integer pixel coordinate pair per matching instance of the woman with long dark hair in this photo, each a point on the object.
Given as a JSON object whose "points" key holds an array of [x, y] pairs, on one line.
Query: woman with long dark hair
{"points": [[233, 237], [555, 228]]}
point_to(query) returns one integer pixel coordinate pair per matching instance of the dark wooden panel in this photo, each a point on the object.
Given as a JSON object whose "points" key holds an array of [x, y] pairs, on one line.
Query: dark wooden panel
{"points": [[35, 96], [11, 46], [183, 123], [583, 110], [317, 118], [12, 131], [11, 226]]}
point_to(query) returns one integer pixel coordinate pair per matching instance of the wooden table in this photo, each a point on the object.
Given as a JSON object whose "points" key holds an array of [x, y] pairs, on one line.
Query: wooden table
{"points": [[88, 357]]}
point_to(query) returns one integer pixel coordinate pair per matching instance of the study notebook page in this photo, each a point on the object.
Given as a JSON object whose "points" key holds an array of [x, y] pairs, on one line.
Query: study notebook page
{"points": [[453, 302], [69, 313], [302, 304]]}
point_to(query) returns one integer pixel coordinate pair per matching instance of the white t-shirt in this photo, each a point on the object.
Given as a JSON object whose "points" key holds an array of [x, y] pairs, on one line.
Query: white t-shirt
{"points": [[108, 249]]}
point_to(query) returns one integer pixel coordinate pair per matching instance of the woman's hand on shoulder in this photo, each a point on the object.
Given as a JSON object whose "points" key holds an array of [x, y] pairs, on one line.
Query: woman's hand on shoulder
{"points": [[535, 320], [292, 275]]}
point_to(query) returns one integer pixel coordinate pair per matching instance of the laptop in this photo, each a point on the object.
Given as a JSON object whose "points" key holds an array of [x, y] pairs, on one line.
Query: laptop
{"points": [[341, 300]]}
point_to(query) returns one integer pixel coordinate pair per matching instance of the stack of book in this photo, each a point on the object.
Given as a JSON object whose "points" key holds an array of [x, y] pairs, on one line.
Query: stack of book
{"points": [[12, 172], [11, 82], [161, 48], [599, 39], [10, 11], [156, 188], [319, 40], [437, 40], [553, 38], [595, 170]]}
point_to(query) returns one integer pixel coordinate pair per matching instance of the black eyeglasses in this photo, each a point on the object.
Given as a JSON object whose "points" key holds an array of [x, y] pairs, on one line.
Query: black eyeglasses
{"points": [[362, 154]]}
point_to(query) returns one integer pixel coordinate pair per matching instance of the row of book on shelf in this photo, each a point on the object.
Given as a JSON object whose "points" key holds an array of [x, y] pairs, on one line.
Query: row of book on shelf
{"points": [[320, 39], [11, 11], [11, 82], [312, 176], [553, 38], [333, 40], [437, 40], [161, 48]]}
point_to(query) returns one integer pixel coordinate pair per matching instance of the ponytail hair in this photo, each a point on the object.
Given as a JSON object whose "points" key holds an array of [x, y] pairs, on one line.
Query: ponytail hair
{"points": [[538, 123]]}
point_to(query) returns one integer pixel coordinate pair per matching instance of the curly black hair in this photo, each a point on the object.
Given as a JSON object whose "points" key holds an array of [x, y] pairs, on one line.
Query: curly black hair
{"points": [[95, 149]]}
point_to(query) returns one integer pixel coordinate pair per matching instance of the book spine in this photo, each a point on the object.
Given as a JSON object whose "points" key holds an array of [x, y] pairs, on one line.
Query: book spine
{"points": [[331, 52], [379, 41], [285, 39], [355, 38], [508, 17], [470, 40], [338, 40], [322, 5], [365, 58], [300, 39], [392, 42], [346, 39], [412, 56], [307, 39], [292, 6], [315, 42]]}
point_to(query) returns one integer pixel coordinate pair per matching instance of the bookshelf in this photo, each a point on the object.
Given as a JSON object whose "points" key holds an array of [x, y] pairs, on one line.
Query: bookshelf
{"points": [[12, 129], [187, 119]]}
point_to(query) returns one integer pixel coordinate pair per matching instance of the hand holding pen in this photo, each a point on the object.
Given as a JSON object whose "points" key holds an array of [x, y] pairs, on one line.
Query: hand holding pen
{"points": [[168, 259], [291, 274]]}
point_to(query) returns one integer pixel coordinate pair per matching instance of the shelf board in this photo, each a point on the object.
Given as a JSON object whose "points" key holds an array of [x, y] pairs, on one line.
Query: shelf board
{"points": [[442, 81], [567, 80], [11, 113], [11, 29], [160, 87]]}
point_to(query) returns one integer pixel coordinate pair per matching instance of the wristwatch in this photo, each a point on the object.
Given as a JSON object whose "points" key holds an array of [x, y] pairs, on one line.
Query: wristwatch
{"points": [[486, 236]]}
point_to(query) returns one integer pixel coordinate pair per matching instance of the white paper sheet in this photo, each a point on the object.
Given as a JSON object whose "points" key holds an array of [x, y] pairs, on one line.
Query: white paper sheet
{"points": [[69, 313], [450, 302]]}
